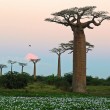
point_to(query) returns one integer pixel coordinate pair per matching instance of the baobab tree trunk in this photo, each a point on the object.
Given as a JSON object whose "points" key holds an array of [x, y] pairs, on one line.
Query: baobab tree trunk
{"points": [[22, 70], [0, 71], [79, 62], [59, 67], [11, 68], [34, 71]]}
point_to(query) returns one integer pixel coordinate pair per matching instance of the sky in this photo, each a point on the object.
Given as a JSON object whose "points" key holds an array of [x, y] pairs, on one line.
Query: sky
{"points": [[22, 24]]}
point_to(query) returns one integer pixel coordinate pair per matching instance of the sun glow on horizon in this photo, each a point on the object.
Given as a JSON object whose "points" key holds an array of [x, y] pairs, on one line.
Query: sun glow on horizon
{"points": [[30, 56]]}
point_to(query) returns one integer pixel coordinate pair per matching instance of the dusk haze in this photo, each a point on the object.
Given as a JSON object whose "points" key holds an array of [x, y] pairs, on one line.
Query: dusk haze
{"points": [[22, 23]]}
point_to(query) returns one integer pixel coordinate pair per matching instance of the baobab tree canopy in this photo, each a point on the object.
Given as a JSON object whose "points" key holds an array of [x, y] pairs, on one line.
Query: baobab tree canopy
{"points": [[70, 46], [74, 17], [34, 60], [58, 50], [2, 66], [11, 62], [23, 64]]}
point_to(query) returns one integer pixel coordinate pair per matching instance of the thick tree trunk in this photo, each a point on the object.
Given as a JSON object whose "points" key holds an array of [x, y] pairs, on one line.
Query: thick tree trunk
{"points": [[34, 71], [79, 62], [59, 67]]}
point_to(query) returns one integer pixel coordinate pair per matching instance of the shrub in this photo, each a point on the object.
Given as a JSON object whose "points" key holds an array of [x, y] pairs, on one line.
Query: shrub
{"points": [[62, 84], [40, 78], [50, 79], [68, 78], [108, 81], [14, 81]]}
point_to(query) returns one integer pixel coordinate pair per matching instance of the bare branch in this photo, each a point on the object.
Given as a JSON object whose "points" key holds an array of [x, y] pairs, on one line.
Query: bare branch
{"points": [[22, 64], [35, 60], [11, 62], [89, 47], [55, 19], [58, 51], [99, 16], [3, 66], [70, 46]]}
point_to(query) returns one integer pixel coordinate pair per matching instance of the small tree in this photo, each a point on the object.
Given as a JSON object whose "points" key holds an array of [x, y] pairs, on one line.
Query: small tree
{"points": [[11, 62], [34, 71], [1, 67], [22, 65], [78, 19], [58, 51]]}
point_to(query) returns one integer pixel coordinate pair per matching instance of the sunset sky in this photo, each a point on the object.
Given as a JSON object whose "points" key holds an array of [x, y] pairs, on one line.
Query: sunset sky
{"points": [[22, 24]]}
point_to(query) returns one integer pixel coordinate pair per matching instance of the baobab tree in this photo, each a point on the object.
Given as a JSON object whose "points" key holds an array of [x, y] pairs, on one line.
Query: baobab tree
{"points": [[34, 71], [78, 19], [1, 67], [69, 46], [22, 65], [11, 62], [58, 51]]}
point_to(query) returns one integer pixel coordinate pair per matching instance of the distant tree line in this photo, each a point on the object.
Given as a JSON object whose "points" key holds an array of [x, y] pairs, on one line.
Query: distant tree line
{"points": [[65, 82], [17, 80]]}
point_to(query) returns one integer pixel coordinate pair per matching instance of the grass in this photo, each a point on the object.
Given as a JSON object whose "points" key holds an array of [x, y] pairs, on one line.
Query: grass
{"points": [[35, 89], [99, 90], [40, 89]]}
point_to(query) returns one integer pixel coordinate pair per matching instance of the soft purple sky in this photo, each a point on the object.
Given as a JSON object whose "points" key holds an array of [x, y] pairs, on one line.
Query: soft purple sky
{"points": [[22, 23]]}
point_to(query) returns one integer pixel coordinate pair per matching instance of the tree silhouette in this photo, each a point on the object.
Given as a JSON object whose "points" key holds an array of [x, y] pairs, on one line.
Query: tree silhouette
{"points": [[79, 19], [34, 71], [11, 62], [1, 67], [22, 65], [69, 46], [58, 51]]}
